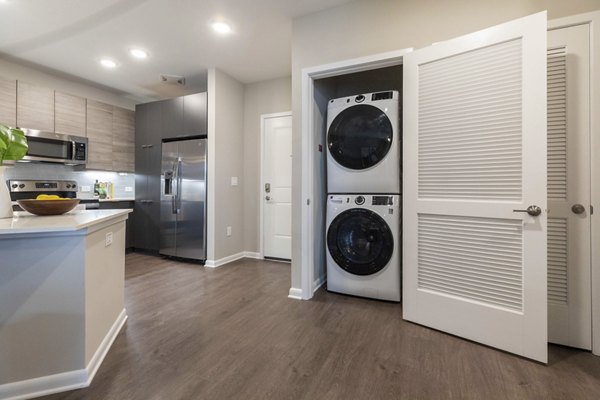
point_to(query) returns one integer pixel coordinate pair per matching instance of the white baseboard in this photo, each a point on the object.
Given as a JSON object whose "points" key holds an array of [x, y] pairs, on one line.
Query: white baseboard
{"points": [[104, 347], [295, 293], [320, 281], [224, 260], [232, 258], [252, 254], [65, 381]]}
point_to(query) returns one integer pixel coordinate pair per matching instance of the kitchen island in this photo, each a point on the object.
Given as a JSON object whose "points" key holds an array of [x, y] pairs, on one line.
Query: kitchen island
{"points": [[61, 298]]}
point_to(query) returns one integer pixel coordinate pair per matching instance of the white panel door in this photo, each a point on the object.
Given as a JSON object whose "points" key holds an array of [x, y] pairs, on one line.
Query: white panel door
{"points": [[277, 187], [474, 157], [569, 197]]}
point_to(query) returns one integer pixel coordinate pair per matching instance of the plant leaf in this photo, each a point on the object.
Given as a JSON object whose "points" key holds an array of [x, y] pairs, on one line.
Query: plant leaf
{"points": [[17, 146]]}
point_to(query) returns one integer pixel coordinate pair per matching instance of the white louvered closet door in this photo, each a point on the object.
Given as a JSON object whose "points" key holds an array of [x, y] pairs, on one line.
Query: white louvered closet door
{"points": [[475, 151], [569, 241]]}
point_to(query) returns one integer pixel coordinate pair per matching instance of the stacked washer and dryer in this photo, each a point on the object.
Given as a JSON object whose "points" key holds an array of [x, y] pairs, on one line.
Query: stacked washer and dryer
{"points": [[363, 202]]}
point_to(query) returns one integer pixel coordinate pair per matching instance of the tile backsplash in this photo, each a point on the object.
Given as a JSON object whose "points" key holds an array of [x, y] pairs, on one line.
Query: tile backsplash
{"points": [[124, 183]]}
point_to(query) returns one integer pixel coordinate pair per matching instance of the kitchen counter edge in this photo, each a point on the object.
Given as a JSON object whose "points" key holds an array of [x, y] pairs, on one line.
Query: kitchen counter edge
{"points": [[26, 223]]}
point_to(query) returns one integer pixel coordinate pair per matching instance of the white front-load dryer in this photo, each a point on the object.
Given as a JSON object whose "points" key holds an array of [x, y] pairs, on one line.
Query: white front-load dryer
{"points": [[364, 245], [364, 143]]}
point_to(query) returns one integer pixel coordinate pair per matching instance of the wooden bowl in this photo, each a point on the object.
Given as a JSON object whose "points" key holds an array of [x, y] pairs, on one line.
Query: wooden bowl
{"points": [[48, 207]]}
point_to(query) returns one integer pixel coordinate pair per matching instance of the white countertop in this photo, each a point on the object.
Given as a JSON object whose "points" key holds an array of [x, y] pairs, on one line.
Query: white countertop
{"points": [[118, 199], [24, 222], [108, 200]]}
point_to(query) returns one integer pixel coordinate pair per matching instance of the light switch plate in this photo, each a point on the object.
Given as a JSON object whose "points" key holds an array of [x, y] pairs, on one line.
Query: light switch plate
{"points": [[86, 189], [128, 189], [234, 181], [109, 237], [228, 231]]}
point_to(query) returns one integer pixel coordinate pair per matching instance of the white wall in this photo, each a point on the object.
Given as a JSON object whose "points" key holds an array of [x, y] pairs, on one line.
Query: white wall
{"points": [[368, 27], [63, 83], [225, 160], [266, 97]]}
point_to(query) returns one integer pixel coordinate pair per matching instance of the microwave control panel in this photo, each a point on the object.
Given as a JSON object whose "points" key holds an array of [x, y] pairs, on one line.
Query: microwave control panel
{"points": [[79, 151]]}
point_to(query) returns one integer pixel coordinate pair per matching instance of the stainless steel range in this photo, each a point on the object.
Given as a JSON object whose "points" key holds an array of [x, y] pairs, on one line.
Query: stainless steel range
{"points": [[30, 189]]}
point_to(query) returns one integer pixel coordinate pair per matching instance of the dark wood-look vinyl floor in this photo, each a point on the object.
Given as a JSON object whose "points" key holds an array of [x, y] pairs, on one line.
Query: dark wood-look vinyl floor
{"points": [[232, 333]]}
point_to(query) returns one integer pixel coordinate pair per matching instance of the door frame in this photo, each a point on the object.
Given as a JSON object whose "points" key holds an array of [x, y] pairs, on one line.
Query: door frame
{"points": [[263, 118], [309, 109], [593, 20]]}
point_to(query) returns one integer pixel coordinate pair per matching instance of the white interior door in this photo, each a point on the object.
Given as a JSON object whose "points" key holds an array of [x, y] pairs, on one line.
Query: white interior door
{"points": [[569, 196], [474, 156], [277, 186]]}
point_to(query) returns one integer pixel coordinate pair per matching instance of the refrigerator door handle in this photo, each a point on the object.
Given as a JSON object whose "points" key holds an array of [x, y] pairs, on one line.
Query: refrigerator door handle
{"points": [[174, 193], [179, 183]]}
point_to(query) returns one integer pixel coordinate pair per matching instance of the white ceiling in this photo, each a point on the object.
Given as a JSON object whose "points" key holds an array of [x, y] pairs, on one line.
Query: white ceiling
{"points": [[71, 36]]}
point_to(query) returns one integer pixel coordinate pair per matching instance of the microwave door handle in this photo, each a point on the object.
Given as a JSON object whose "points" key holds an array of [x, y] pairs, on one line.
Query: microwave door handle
{"points": [[73, 150]]}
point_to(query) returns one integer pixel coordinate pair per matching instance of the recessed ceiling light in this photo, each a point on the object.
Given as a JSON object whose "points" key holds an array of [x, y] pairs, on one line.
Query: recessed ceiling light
{"points": [[108, 63], [221, 27], [139, 53]]}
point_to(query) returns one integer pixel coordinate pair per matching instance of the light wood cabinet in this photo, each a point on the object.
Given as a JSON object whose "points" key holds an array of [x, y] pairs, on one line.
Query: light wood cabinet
{"points": [[99, 129], [123, 140], [35, 107], [69, 114], [8, 102]]}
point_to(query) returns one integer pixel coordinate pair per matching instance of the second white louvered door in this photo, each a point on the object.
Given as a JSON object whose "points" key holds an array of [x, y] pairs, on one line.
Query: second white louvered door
{"points": [[569, 260], [474, 155]]}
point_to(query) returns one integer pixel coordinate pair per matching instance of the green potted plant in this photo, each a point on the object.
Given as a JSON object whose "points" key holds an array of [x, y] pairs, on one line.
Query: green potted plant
{"points": [[13, 147]]}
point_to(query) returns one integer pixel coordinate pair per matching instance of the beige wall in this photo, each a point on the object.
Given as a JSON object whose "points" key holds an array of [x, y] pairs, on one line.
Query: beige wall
{"points": [[368, 27], [11, 70], [260, 98], [225, 160]]}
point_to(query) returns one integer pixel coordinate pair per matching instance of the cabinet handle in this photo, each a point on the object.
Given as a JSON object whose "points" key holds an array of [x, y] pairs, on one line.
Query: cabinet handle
{"points": [[147, 146]]}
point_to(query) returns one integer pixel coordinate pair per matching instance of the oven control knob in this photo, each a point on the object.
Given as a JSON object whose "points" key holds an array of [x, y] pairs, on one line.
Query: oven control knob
{"points": [[22, 185], [14, 185], [73, 186], [68, 186], [359, 200], [360, 98]]}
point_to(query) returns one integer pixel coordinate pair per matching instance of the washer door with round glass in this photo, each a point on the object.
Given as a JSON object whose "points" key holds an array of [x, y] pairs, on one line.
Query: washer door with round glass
{"points": [[360, 241], [360, 137]]}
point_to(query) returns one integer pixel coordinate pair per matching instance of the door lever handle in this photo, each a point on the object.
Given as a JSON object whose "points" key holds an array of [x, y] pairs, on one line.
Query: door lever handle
{"points": [[267, 198], [534, 211]]}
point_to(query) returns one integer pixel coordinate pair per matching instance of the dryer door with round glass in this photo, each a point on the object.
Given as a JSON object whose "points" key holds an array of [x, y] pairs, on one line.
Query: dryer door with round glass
{"points": [[360, 241], [360, 137]]}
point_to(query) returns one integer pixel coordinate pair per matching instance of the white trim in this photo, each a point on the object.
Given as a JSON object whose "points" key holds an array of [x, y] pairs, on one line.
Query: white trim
{"points": [[263, 117], [295, 293], [309, 75], [105, 345], [65, 381], [211, 151], [253, 254], [593, 20], [320, 281], [224, 260]]}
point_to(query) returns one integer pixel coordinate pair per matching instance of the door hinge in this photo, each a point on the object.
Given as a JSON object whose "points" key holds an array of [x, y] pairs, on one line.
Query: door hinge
{"points": [[308, 202], [591, 210]]}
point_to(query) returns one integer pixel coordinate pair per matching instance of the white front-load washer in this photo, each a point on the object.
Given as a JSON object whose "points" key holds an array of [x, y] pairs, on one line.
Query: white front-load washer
{"points": [[364, 143], [364, 245]]}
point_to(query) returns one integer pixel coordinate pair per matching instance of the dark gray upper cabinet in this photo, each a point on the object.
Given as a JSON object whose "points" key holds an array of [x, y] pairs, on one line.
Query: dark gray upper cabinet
{"points": [[194, 114], [172, 117]]}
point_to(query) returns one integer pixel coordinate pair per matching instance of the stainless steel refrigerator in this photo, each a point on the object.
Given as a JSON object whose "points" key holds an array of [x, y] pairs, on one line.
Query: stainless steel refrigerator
{"points": [[183, 199]]}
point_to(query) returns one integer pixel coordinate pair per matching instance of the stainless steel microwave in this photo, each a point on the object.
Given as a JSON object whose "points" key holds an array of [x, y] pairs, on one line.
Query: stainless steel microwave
{"points": [[56, 147]]}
